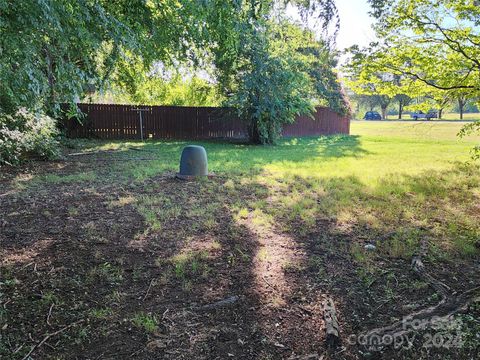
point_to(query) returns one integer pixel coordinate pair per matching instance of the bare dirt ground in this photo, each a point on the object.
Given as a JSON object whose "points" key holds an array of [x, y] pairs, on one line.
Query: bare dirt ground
{"points": [[87, 272]]}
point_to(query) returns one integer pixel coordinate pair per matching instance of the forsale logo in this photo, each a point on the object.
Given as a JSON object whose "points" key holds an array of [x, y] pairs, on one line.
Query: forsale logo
{"points": [[444, 333]]}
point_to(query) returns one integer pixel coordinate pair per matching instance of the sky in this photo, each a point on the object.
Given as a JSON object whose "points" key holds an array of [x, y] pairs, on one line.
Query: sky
{"points": [[355, 23], [355, 26]]}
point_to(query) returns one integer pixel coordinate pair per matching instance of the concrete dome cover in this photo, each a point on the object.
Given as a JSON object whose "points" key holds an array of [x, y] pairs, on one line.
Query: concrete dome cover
{"points": [[193, 162]]}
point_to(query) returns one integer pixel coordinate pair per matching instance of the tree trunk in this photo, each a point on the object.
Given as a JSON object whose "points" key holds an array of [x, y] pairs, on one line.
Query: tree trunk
{"points": [[51, 81], [253, 132], [461, 105], [440, 113], [384, 112], [400, 109]]}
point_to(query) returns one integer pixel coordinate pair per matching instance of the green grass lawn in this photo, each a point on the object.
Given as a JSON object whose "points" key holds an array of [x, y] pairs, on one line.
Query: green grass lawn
{"points": [[380, 169], [121, 245], [373, 151], [456, 116]]}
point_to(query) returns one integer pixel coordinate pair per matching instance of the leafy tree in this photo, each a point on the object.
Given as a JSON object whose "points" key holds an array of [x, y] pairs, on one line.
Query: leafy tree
{"points": [[436, 43], [270, 91], [55, 51], [319, 62], [440, 98], [263, 68], [462, 101], [134, 82], [48, 49], [403, 100], [379, 87]]}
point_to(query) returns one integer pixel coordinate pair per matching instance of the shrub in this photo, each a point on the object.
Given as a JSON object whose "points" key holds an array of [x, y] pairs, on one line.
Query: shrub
{"points": [[24, 135]]}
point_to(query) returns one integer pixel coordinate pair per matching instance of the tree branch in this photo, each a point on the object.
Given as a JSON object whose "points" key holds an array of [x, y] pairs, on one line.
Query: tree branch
{"points": [[428, 82]]}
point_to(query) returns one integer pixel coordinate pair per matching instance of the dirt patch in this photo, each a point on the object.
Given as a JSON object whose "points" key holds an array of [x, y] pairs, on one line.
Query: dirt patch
{"points": [[133, 265]]}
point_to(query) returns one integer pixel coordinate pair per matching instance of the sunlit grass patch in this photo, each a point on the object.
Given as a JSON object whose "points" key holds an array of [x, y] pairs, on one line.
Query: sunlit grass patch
{"points": [[106, 273], [242, 213], [101, 313], [403, 243], [122, 201], [261, 220], [373, 151], [190, 264], [157, 210], [145, 321], [263, 255]]}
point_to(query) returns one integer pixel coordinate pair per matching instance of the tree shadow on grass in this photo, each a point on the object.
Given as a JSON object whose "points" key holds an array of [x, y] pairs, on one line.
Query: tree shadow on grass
{"points": [[106, 162], [333, 220], [135, 265], [136, 262]]}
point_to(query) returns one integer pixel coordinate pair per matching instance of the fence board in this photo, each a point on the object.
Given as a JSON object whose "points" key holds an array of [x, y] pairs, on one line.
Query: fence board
{"points": [[105, 121]]}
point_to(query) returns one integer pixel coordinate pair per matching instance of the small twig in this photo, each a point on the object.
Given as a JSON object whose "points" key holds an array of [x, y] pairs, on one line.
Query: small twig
{"points": [[148, 290], [18, 349], [49, 314], [165, 313], [270, 285], [48, 336], [50, 346], [7, 193], [137, 352], [382, 304], [221, 303]]}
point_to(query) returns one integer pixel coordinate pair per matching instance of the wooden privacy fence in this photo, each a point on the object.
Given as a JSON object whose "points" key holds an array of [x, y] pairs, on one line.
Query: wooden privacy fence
{"points": [[105, 121]]}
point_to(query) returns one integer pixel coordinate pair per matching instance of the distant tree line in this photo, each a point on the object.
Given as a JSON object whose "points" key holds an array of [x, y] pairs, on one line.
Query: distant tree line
{"points": [[427, 54], [400, 105]]}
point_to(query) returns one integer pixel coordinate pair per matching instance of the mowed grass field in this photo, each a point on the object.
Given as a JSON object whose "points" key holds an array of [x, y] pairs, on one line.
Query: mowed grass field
{"points": [[111, 255], [456, 116], [382, 148]]}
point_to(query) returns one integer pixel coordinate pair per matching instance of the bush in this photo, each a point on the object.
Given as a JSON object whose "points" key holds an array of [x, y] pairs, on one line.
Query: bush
{"points": [[24, 135]]}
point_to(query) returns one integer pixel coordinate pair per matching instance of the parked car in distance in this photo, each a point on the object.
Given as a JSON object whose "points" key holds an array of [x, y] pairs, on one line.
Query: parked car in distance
{"points": [[421, 115], [372, 115]]}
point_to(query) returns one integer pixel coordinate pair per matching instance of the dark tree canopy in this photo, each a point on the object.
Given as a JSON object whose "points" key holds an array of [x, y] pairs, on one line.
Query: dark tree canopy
{"points": [[57, 51]]}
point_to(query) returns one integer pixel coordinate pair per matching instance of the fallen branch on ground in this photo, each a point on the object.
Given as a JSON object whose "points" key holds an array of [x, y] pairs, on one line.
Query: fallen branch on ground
{"points": [[225, 302], [148, 290], [450, 304], [332, 329], [50, 314], [48, 336]]}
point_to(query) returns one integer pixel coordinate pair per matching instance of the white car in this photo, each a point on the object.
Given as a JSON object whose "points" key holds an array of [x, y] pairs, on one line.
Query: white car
{"points": [[422, 115]]}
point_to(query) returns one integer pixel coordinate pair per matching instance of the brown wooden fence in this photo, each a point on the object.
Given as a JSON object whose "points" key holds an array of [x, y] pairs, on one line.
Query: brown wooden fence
{"points": [[106, 121]]}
